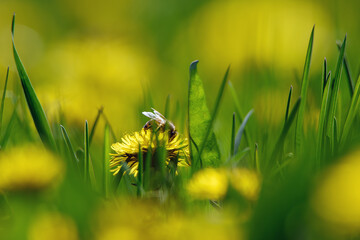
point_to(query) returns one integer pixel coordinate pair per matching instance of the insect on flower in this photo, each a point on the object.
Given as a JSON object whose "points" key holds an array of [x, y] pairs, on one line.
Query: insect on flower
{"points": [[161, 122]]}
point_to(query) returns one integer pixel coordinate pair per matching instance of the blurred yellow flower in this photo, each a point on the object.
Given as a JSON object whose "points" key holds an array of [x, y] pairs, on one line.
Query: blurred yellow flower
{"points": [[211, 183], [246, 182], [28, 168], [208, 183], [52, 226], [128, 150], [337, 197]]}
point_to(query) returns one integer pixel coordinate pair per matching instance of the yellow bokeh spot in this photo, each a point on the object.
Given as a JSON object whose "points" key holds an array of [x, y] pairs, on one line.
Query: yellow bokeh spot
{"points": [[29, 168], [246, 182], [337, 197]]}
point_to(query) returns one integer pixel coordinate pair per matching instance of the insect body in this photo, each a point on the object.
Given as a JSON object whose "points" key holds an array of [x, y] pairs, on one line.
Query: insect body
{"points": [[161, 122]]}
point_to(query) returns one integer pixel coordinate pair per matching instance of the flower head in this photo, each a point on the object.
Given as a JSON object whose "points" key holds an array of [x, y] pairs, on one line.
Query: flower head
{"points": [[132, 145]]}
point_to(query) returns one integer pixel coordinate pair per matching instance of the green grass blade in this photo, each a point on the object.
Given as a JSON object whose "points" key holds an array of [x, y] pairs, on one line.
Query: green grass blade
{"points": [[323, 121], [106, 162], [110, 127], [3, 99], [347, 71], [199, 123], [304, 86], [280, 142], [335, 135], [288, 103], [92, 132], [241, 131], [33, 102], [70, 148], [86, 153], [232, 145], [335, 85], [167, 107], [9, 127], [140, 174], [324, 77], [353, 110]]}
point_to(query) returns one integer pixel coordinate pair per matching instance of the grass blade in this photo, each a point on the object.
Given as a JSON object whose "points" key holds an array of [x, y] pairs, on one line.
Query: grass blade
{"points": [[324, 79], [33, 102], [232, 145], [92, 132], [3, 98], [70, 148], [335, 85], [140, 174], [241, 131], [304, 86], [106, 167], [347, 71], [9, 127], [167, 107], [86, 153], [353, 110], [288, 103], [323, 121], [199, 123]]}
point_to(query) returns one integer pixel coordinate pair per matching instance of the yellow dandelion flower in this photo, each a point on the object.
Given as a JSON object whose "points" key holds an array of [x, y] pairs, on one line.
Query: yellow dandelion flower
{"points": [[246, 182], [52, 226], [127, 151], [28, 168], [208, 183], [336, 199]]}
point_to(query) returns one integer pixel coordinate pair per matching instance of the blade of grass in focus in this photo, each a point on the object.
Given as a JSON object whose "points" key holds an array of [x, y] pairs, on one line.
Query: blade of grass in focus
{"points": [[86, 153], [106, 166], [92, 132], [353, 110], [32, 100], [70, 148], [9, 127], [288, 104], [199, 123], [299, 134], [3, 98], [232, 144], [335, 85]]}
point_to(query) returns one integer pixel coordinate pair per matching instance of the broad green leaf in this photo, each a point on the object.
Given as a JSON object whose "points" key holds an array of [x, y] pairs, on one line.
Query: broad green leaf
{"points": [[304, 86], [200, 124], [353, 110], [33, 102]]}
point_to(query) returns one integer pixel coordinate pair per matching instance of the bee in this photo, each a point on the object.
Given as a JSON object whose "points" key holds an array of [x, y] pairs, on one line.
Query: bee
{"points": [[161, 122]]}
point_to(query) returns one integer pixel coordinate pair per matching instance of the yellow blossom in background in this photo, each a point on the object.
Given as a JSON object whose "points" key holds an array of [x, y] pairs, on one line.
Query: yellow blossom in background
{"points": [[52, 226], [29, 168], [337, 197], [246, 182], [208, 183], [128, 149]]}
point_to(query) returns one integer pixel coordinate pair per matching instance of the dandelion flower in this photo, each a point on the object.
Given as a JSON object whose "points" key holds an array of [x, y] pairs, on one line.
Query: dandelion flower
{"points": [[28, 168], [127, 151]]}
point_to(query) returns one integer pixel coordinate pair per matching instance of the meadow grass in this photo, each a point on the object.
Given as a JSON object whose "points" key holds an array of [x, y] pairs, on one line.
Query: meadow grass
{"points": [[288, 163]]}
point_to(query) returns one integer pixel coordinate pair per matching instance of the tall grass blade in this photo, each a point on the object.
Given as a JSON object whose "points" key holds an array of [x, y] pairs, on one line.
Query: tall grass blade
{"points": [[232, 145], [199, 123], [69, 146], [241, 131], [323, 121], [106, 162], [353, 110], [304, 86], [9, 127], [167, 107], [288, 103], [86, 153], [92, 132], [33, 102], [3, 99], [335, 85], [140, 174], [347, 71], [324, 79], [110, 127]]}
